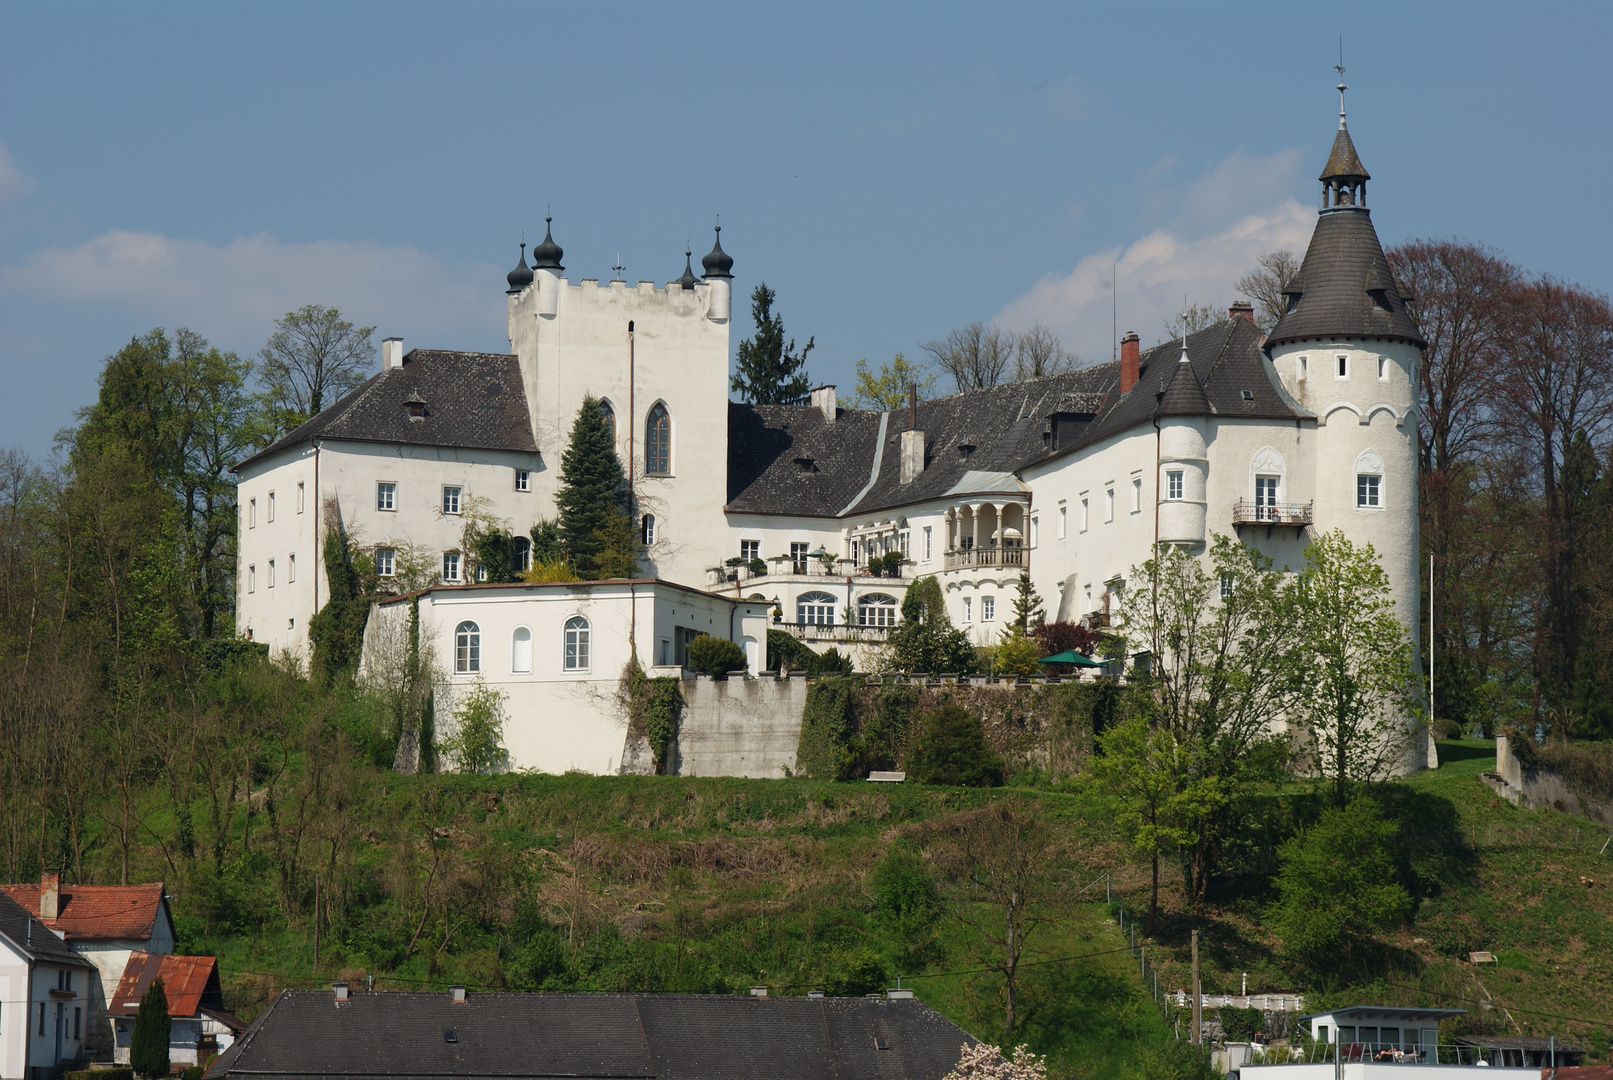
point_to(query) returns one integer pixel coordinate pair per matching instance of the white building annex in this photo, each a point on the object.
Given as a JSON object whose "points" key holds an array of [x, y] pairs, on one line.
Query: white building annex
{"points": [[1074, 477]]}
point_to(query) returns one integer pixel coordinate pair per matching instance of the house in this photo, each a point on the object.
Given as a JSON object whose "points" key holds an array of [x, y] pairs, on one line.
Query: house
{"points": [[44, 996], [1366, 1042], [200, 1026], [1072, 479], [105, 925], [312, 1033]]}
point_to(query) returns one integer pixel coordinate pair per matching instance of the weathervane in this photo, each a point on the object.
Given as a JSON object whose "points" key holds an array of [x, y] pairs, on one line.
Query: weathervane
{"points": [[1339, 67]]}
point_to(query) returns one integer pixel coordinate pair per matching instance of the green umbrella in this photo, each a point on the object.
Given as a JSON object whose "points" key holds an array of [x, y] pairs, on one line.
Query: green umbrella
{"points": [[1070, 656]]}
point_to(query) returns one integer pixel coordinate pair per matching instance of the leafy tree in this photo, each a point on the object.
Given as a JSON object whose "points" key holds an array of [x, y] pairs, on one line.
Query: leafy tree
{"points": [[905, 898], [1057, 637], [313, 357], [887, 390], [926, 640], [594, 526], [983, 1061], [476, 745], [1144, 769], [1350, 679], [1016, 655], [951, 749], [769, 371], [1264, 285], [1337, 887], [148, 1045], [546, 542], [337, 630], [1028, 612], [715, 656]]}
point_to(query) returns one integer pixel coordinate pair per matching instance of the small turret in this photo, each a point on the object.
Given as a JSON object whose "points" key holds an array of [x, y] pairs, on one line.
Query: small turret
{"points": [[688, 280], [547, 255], [521, 276], [546, 270], [719, 266]]}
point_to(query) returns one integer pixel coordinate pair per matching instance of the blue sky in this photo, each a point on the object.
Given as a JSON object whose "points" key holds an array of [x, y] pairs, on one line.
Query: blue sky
{"points": [[891, 170]]}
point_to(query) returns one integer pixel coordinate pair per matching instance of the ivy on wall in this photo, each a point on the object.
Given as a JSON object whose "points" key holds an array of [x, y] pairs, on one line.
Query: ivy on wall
{"points": [[337, 630], [653, 708]]}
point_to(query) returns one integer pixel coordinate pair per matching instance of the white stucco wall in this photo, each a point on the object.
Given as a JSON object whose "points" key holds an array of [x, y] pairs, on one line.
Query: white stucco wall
{"points": [[21, 1044]]}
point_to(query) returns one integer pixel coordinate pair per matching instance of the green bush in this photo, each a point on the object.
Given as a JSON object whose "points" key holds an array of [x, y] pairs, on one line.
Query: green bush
{"points": [[120, 1073], [831, 662], [1446, 728], [828, 723], [476, 746], [1017, 655], [715, 656], [784, 653], [193, 1072], [952, 749], [1240, 1025]]}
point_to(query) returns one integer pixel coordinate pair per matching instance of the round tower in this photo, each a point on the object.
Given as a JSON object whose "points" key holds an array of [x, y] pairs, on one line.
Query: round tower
{"points": [[1348, 349], [1182, 413], [546, 271], [719, 266]]}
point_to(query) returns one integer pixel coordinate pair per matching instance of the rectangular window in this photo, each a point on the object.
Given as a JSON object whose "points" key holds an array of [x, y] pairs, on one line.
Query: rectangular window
{"points": [[1036, 528], [271, 506], [41, 1017], [1108, 504], [1266, 499], [300, 500], [988, 608], [1088, 594], [798, 556], [481, 572], [1226, 586], [1173, 484], [1064, 521], [450, 500], [966, 615], [1383, 367], [386, 496], [1343, 363], [1086, 513], [291, 568], [252, 513], [750, 549], [252, 578], [384, 562], [271, 573], [523, 480], [666, 652], [450, 566], [927, 544], [1367, 491], [1304, 367], [1136, 494], [904, 544], [78, 1016]]}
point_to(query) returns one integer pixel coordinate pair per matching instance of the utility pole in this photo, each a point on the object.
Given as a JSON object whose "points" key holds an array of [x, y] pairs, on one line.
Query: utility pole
{"points": [[1198, 1010], [316, 922]]}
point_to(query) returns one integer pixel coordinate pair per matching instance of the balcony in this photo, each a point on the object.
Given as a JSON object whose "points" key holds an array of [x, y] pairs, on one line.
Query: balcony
{"points": [[787, 569], [965, 558], [1248, 512], [838, 632]]}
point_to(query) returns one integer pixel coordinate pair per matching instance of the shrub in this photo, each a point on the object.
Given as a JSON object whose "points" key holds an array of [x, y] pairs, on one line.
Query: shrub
{"points": [[832, 662], [906, 900], [715, 656], [859, 972], [476, 746], [758, 567], [1240, 1025], [148, 1046], [784, 653], [951, 749], [926, 640], [1017, 655], [827, 724], [120, 1073]]}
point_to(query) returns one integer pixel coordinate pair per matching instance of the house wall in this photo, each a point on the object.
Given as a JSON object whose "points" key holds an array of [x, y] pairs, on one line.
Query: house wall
{"points": [[14, 1010], [739, 727], [21, 1044]]}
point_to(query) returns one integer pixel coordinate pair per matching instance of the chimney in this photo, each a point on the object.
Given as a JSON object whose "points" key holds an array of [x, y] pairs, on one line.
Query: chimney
{"points": [[758, 991], [456, 994], [1130, 356], [340, 990], [391, 353], [912, 455], [823, 399], [1243, 309], [50, 894]]}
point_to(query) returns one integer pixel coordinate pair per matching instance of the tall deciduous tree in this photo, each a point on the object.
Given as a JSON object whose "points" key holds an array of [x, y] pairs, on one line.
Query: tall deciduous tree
{"points": [[594, 501], [976, 356], [313, 357], [769, 371], [1264, 285]]}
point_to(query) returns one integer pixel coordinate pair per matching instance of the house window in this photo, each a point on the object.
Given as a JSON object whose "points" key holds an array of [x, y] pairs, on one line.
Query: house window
{"points": [[904, 544], [750, 549], [658, 442], [1304, 367], [988, 608], [646, 530], [1173, 484], [271, 573], [252, 513], [521, 554], [1226, 586], [521, 651], [450, 566], [1383, 367], [252, 578], [815, 609], [523, 480], [1086, 513], [607, 416], [291, 568], [927, 539], [78, 1016], [576, 643], [1367, 491], [1266, 498], [876, 609], [1343, 366], [1064, 521], [798, 556], [666, 652], [967, 603], [1088, 604], [299, 496], [41, 1017], [467, 648], [384, 562], [450, 500], [1108, 504], [386, 496], [271, 506], [481, 571], [1136, 494]]}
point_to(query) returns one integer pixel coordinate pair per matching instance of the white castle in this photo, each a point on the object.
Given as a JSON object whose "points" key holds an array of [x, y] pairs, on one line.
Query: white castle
{"points": [[759, 516]]}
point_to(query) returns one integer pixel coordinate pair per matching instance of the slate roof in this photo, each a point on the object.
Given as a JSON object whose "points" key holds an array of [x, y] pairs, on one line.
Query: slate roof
{"points": [[1343, 163], [306, 1033], [34, 938], [1344, 288], [473, 400], [788, 460], [188, 982], [98, 912]]}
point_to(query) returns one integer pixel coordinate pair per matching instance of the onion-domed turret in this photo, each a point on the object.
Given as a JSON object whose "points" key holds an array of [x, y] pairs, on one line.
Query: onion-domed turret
{"points": [[718, 264], [688, 280], [521, 276], [547, 255]]}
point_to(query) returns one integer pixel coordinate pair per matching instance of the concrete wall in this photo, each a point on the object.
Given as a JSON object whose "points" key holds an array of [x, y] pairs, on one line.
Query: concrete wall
{"points": [[739, 727], [1535, 788]]}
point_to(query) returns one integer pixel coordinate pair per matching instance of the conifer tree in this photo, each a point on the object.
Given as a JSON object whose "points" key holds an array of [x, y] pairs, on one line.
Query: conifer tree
{"points": [[769, 371], [148, 1046], [595, 524]]}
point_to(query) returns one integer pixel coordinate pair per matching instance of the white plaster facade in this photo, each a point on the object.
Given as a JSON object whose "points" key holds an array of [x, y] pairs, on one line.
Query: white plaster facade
{"points": [[44, 1012]]}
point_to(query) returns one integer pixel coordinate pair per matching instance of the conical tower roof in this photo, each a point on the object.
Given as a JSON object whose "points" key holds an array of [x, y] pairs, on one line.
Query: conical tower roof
{"points": [[1183, 395], [521, 276], [1344, 163]]}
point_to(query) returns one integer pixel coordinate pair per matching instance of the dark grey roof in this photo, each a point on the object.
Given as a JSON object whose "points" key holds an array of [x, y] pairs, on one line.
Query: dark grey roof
{"points": [[471, 400], [521, 276], [34, 937], [305, 1033], [1183, 395], [1344, 288], [718, 263], [1343, 163], [547, 255], [785, 459], [688, 280]]}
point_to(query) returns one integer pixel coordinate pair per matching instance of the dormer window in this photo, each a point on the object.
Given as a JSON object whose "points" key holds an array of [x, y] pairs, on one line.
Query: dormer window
{"points": [[1248, 395], [966, 446], [415, 406], [806, 466], [1380, 298]]}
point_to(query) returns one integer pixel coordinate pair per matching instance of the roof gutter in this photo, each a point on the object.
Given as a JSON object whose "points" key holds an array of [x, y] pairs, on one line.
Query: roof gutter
{"points": [[873, 473]]}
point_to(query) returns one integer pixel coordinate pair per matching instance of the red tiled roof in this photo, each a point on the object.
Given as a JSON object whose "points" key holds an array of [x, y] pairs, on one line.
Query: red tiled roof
{"points": [[91, 912], [189, 982]]}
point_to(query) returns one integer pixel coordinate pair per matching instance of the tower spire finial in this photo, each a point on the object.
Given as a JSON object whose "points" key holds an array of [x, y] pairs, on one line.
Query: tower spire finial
{"points": [[1339, 67]]}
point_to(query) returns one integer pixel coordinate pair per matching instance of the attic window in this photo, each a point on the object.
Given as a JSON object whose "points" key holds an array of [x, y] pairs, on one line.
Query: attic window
{"points": [[1380, 297], [806, 466], [416, 406], [450, 1035], [1248, 395], [966, 446], [882, 1044], [1293, 300]]}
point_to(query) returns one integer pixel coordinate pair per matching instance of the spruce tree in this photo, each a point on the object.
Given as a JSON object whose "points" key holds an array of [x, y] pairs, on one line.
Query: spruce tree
{"points": [[769, 371], [595, 521], [148, 1046]]}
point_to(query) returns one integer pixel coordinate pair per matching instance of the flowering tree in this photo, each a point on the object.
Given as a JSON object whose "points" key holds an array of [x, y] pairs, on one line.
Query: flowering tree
{"points": [[982, 1061]]}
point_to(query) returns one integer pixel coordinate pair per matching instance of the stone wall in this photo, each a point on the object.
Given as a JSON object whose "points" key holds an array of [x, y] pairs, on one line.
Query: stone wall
{"points": [[1533, 787]]}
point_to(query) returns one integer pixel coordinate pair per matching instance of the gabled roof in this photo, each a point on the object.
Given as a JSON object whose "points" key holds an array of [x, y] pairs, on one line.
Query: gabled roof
{"points": [[34, 938], [188, 982], [306, 1033], [474, 400], [98, 912]]}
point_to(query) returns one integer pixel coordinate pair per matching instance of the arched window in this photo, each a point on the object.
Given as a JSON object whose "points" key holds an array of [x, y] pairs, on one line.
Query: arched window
{"points": [[521, 650], [646, 530], [467, 648], [815, 608], [577, 643], [876, 609], [1369, 493], [658, 442], [607, 416]]}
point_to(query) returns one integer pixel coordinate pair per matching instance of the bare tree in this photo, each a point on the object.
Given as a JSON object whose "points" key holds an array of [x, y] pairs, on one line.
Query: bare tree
{"points": [[313, 357], [1038, 352], [1197, 317], [975, 355], [1264, 285]]}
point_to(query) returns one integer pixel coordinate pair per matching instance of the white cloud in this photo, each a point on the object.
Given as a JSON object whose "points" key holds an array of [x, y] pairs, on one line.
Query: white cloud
{"points": [[1228, 218], [232, 293]]}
